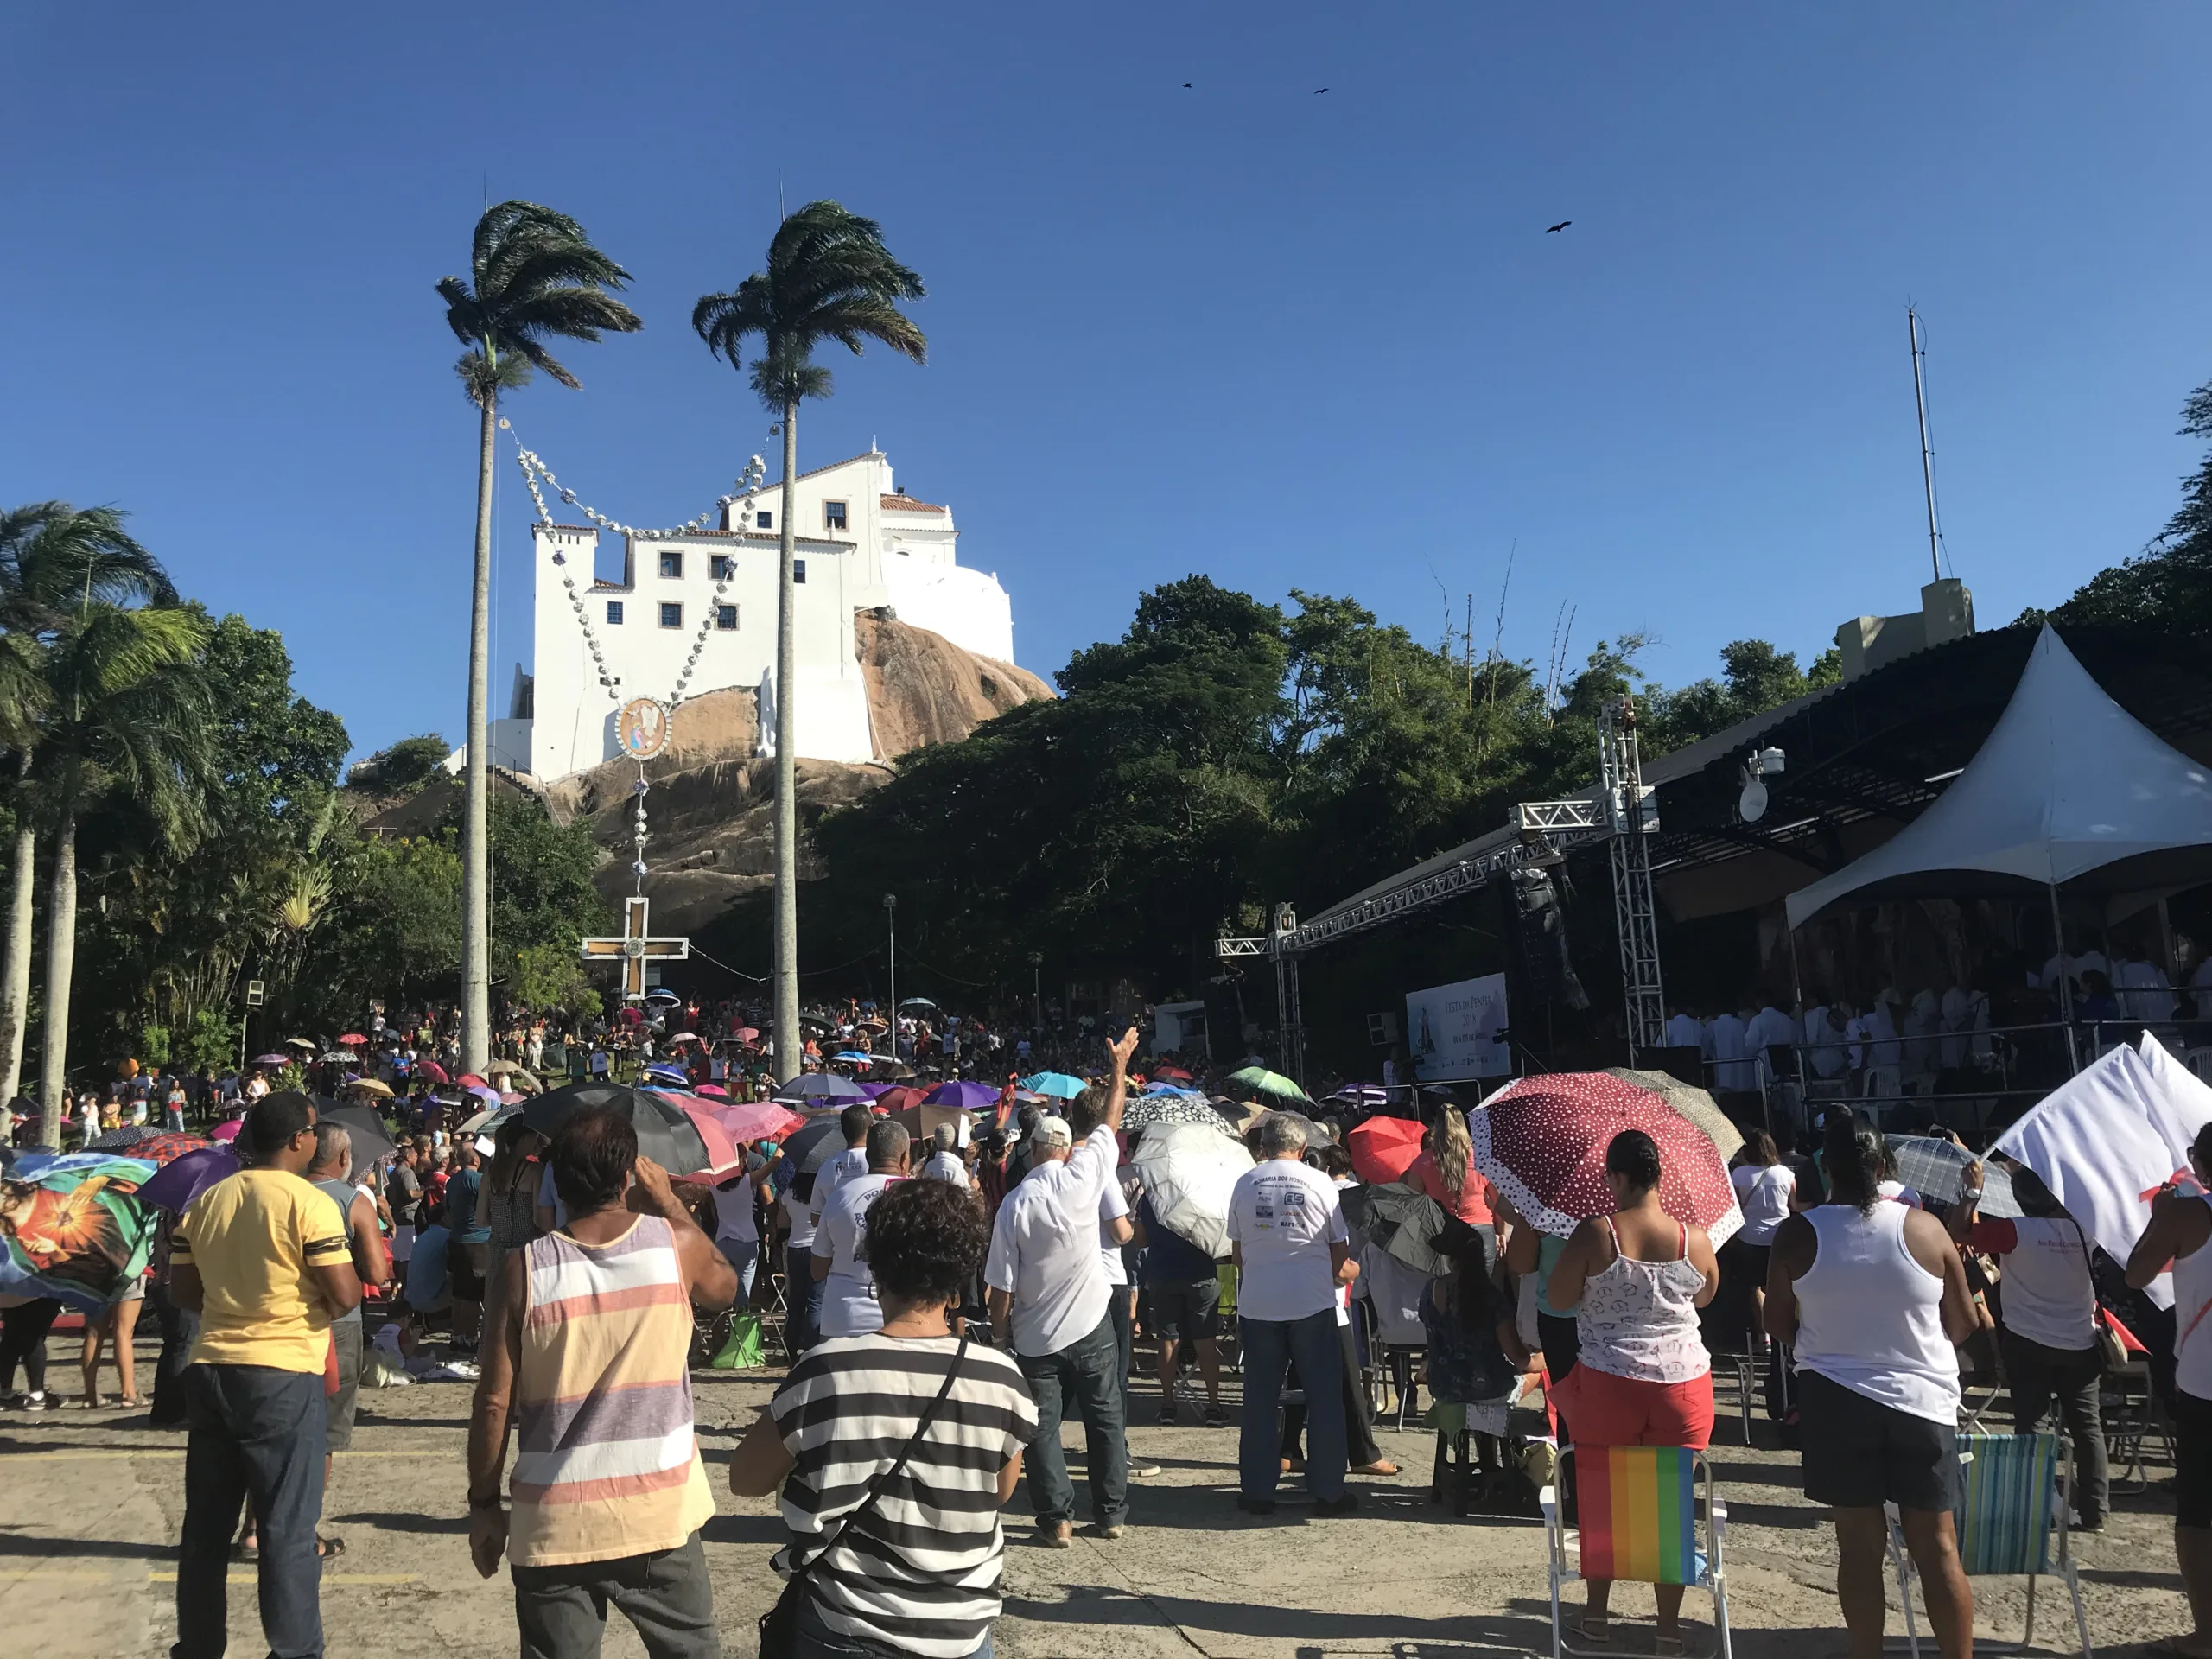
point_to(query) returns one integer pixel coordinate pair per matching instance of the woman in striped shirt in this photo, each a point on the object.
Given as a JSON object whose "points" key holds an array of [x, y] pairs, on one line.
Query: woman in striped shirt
{"points": [[918, 1573]]}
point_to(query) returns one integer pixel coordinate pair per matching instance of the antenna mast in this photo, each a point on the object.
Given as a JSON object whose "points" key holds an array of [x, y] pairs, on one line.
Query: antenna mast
{"points": [[1927, 460]]}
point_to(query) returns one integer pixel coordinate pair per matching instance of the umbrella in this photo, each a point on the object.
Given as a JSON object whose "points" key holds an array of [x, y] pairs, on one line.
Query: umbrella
{"points": [[746, 1034], [1367, 1096], [184, 1179], [1384, 1148], [676, 1076], [665, 1132], [302, 1042], [483, 1091], [511, 1096], [715, 1090], [898, 1099], [1933, 1167], [1262, 1081], [1189, 1171], [371, 1140], [968, 1096], [1403, 1222], [337, 1057], [822, 1085], [485, 1121], [684, 1036], [1171, 1071], [272, 1060], [352, 1040], [1058, 1084], [1175, 1106], [1542, 1141], [853, 1057], [115, 1139], [433, 1070], [757, 1120], [918, 1002], [724, 1155], [160, 1149], [877, 1090], [226, 1131], [814, 1143], [94, 1234], [1687, 1100], [470, 1080], [515, 1075], [664, 998], [368, 1086]]}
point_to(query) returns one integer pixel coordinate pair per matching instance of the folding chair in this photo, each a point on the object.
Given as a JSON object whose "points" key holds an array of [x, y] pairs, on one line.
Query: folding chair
{"points": [[2008, 1504], [1639, 1523]]}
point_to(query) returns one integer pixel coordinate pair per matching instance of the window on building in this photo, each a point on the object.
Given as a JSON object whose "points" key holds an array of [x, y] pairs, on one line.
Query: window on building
{"points": [[798, 570], [720, 567], [726, 618], [671, 616], [833, 515], [764, 521], [671, 562], [613, 613]]}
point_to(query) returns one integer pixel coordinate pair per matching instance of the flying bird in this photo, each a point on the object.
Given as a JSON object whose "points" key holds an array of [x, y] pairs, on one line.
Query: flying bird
{"points": [[1187, 86], [1318, 91], [1561, 225]]}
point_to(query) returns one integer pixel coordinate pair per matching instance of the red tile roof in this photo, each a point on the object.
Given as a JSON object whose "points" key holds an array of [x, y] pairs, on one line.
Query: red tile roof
{"points": [[907, 504]]}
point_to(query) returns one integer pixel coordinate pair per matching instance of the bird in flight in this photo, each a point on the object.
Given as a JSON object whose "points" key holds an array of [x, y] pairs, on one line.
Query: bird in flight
{"points": [[1318, 91], [1187, 86], [1561, 225]]}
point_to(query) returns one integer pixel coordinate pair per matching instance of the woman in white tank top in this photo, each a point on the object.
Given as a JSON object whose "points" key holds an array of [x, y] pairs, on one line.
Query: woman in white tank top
{"points": [[2180, 1237], [1872, 1295]]}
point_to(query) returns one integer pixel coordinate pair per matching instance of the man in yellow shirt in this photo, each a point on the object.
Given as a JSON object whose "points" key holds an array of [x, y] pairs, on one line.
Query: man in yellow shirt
{"points": [[262, 1258]]}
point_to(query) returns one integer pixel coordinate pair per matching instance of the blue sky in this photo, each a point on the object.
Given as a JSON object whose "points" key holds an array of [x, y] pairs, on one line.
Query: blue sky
{"points": [[1288, 339]]}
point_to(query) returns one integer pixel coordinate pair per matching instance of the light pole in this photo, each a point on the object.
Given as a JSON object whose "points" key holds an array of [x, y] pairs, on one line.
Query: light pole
{"points": [[891, 926]]}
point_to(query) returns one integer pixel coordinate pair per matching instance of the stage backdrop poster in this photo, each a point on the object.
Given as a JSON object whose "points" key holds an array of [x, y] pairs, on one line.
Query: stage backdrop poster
{"points": [[1455, 1031]]}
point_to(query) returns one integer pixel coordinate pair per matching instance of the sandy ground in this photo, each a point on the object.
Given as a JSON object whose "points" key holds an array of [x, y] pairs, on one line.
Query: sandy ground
{"points": [[90, 1504]]}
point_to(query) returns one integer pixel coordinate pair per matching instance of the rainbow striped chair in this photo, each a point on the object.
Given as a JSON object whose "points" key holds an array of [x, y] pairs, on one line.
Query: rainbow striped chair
{"points": [[2009, 1515], [1638, 1522]]}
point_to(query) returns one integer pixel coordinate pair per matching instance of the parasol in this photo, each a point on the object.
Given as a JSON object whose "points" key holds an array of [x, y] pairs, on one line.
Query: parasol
{"points": [[1189, 1170], [665, 1132], [918, 1002], [1147, 1111], [485, 1121], [815, 1143], [816, 1086], [517, 1076], [684, 1036], [368, 1086], [968, 1096], [1689, 1101], [337, 1057], [302, 1042], [1261, 1080], [725, 1155], [272, 1060], [74, 1228], [161, 1148], [1542, 1141], [1171, 1071], [185, 1178], [674, 1076], [352, 1039], [1384, 1148], [117, 1140], [1058, 1084], [371, 1140], [852, 1056], [433, 1070], [746, 1034], [889, 1068], [757, 1120], [877, 1090], [663, 997], [897, 1098], [227, 1130], [1935, 1168], [1402, 1222], [713, 1089]]}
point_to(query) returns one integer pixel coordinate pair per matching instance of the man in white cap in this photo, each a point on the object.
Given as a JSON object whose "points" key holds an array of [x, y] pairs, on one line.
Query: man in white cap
{"points": [[1048, 1287]]}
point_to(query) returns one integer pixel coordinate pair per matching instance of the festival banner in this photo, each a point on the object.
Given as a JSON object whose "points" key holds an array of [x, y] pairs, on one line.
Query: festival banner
{"points": [[1457, 1031]]}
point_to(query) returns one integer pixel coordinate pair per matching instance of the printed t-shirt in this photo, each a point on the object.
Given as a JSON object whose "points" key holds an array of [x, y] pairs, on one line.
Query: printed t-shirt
{"points": [[1285, 1215]]}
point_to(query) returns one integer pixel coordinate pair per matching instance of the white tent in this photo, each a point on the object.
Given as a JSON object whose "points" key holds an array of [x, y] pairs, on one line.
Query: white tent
{"points": [[2068, 789]]}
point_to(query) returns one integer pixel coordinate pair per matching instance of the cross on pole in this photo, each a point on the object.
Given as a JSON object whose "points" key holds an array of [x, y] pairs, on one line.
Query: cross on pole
{"points": [[635, 946]]}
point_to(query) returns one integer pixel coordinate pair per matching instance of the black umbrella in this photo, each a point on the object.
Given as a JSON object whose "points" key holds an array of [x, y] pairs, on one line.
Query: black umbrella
{"points": [[371, 1140], [1403, 1222], [815, 1143], [118, 1140], [666, 1134]]}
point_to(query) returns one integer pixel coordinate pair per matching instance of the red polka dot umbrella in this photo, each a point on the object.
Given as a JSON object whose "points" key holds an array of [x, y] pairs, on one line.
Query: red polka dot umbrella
{"points": [[1543, 1140]]}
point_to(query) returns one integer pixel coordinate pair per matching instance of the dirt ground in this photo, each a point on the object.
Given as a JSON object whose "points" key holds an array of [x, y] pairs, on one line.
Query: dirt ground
{"points": [[90, 1504]]}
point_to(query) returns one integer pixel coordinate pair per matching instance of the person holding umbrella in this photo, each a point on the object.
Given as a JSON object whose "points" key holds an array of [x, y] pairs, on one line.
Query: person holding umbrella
{"points": [[1635, 1280]]}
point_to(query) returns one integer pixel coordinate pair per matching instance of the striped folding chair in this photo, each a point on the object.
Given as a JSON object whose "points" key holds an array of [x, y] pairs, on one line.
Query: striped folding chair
{"points": [[1638, 1522], [2009, 1512]]}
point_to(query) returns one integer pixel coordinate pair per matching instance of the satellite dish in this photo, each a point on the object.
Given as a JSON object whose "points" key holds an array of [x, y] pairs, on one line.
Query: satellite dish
{"points": [[1750, 805]]}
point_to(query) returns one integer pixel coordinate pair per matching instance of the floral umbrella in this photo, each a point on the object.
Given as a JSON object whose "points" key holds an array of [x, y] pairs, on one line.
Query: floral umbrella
{"points": [[1543, 1140], [1177, 1108]]}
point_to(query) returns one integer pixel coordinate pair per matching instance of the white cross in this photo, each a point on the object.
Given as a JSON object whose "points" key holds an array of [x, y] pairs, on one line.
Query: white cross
{"points": [[635, 946]]}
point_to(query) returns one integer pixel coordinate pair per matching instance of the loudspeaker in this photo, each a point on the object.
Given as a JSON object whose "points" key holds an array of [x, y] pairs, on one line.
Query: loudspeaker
{"points": [[1381, 1029], [1540, 934]]}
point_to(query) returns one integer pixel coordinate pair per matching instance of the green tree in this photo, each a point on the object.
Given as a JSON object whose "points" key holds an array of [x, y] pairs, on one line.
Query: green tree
{"points": [[53, 558], [534, 276], [126, 713], [407, 765], [550, 976], [2169, 584], [828, 277]]}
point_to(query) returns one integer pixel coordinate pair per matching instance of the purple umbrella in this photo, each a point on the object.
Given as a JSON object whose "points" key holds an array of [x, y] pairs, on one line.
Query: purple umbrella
{"points": [[968, 1096], [183, 1179], [877, 1090], [272, 1060]]}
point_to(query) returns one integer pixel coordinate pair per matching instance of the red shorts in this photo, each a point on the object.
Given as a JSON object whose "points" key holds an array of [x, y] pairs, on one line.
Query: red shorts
{"points": [[1602, 1409]]}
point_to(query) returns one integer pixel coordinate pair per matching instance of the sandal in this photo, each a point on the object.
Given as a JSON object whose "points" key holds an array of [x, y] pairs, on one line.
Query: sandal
{"points": [[330, 1549], [127, 1402], [244, 1550]]}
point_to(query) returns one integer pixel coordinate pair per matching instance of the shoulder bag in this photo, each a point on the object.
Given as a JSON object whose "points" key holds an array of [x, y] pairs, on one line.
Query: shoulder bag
{"points": [[2110, 1348], [779, 1625]]}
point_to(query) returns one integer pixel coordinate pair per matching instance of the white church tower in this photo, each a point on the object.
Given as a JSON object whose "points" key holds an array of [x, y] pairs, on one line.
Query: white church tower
{"points": [[863, 544]]}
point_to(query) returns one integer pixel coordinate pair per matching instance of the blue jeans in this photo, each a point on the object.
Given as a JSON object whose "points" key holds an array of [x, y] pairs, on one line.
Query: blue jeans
{"points": [[1269, 1347], [1085, 1369], [261, 1432], [744, 1254]]}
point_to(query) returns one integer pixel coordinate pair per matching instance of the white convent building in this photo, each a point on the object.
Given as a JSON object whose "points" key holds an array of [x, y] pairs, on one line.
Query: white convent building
{"points": [[862, 544]]}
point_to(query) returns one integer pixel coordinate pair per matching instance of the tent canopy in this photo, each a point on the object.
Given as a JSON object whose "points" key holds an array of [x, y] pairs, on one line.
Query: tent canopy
{"points": [[2069, 789]]}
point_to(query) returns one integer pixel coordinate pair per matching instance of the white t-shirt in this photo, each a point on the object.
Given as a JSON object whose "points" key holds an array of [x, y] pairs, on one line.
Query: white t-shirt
{"points": [[947, 1167], [849, 1304], [800, 1214], [2048, 1295], [733, 1214], [1763, 1192], [846, 1166], [1285, 1215], [1112, 1207], [1045, 1247]]}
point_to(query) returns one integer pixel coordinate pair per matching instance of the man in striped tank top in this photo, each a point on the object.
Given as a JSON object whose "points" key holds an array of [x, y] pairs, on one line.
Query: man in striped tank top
{"points": [[587, 1333]]}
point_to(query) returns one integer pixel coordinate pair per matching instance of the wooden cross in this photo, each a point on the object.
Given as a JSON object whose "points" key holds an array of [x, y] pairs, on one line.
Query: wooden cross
{"points": [[635, 946]]}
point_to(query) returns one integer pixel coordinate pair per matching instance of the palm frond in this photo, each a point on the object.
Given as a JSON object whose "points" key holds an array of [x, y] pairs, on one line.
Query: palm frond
{"points": [[481, 377], [73, 557], [536, 275]]}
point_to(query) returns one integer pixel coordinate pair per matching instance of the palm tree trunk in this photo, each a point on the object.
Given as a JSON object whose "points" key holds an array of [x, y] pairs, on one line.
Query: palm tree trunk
{"points": [[790, 1045], [16, 972], [475, 839], [60, 964]]}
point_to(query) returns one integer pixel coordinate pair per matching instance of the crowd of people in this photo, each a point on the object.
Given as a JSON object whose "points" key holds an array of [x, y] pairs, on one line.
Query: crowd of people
{"points": [[948, 1302]]}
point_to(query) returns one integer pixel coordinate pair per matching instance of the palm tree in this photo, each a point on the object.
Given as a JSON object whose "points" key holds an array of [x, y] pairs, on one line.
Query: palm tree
{"points": [[53, 559], [828, 277], [127, 712], [534, 275]]}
